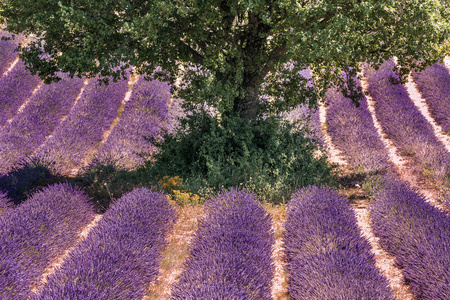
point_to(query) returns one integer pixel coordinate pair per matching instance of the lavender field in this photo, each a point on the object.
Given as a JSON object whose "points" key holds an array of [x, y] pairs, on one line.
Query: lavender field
{"points": [[150, 244]]}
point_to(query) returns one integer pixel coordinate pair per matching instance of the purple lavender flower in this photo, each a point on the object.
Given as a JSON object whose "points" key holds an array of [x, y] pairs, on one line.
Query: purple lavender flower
{"points": [[29, 129], [417, 234], [325, 252], [81, 132], [128, 145], [119, 257], [15, 88], [231, 251], [405, 125], [434, 85], [337, 274], [352, 131], [36, 233]]}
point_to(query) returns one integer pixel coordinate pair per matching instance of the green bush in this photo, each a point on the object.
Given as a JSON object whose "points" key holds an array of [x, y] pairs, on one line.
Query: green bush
{"points": [[268, 157]]}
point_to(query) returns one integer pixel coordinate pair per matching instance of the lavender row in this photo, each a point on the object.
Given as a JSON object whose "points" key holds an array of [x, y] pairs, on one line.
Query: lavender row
{"points": [[119, 257], [36, 233], [353, 132], [7, 51], [127, 145], [434, 85], [5, 203], [417, 234], [42, 114], [327, 257], [231, 253], [15, 88], [405, 125], [82, 131]]}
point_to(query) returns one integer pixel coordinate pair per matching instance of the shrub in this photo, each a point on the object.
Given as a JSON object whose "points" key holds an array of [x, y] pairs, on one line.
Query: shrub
{"points": [[268, 157]]}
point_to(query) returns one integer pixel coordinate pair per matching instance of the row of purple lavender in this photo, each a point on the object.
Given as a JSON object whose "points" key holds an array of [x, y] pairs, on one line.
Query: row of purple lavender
{"points": [[417, 234], [127, 146], [231, 252], [82, 131], [353, 133], [434, 85], [37, 232], [405, 125], [39, 118], [15, 88], [120, 256], [327, 257], [7, 53]]}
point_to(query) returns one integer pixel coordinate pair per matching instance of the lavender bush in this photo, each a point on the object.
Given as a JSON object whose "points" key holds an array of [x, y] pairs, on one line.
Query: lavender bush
{"points": [[352, 131], [417, 234], [7, 53], [15, 88], [5, 203], [119, 257], [36, 233], [82, 131], [231, 252], [29, 129], [325, 253], [405, 125], [337, 274], [434, 85], [127, 145]]}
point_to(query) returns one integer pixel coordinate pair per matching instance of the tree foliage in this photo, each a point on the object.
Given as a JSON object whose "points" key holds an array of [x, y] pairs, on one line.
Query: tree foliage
{"points": [[230, 52]]}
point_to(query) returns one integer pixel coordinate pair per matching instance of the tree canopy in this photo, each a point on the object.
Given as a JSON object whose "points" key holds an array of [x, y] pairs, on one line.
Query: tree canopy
{"points": [[229, 53]]}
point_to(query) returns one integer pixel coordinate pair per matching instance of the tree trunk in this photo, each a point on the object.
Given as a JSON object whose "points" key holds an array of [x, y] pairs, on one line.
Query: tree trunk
{"points": [[248, 105]]}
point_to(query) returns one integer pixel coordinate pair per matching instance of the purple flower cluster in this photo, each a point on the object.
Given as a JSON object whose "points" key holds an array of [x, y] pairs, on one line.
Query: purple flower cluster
{"points": [[7, 53], [231, 253], [326, 255], [434, 85], [15, 87], [5, 203], [82, 131], [37, 232], [29, 129], [417, 234], [353, 132], [405, 125], [127, 145], [119, 257]]}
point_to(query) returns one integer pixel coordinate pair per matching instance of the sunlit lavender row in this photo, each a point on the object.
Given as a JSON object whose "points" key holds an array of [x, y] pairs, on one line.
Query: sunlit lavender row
{"points": [[15, 88], [417, 234], [230, 256], [7, 53], [128, 146], [42, 114], [327, 258], [36, 233], [434, 85], [120, 256], [405, 125], [353, 133], [82, 131]]}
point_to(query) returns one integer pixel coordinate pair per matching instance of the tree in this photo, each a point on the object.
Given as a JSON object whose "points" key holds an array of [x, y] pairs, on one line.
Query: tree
{"points": [[231, 52]]}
